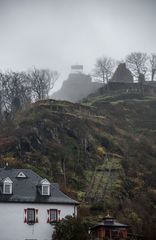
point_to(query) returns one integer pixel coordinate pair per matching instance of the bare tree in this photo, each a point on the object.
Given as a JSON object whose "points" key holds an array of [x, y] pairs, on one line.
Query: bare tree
{"points": [[15, 91], [1, 95], [104, 68], [152, 60], [19, 89], [42, 81], [137, 63]]}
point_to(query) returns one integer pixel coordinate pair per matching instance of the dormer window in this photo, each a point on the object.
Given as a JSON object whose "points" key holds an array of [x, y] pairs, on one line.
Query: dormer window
{"points": [[45, 187], [45, 190], [7, 186]]}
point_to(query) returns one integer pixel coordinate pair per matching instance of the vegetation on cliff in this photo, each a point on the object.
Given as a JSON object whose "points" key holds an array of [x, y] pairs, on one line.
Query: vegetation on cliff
{"points": [[102, 152]]}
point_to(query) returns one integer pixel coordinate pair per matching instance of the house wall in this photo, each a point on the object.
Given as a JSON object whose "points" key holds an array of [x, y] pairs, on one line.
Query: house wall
{"points": [[12, 226]]}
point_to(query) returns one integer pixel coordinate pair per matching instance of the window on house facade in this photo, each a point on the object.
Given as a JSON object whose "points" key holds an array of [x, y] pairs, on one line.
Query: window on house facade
{"points": [[53, 215], [45, 187], [7, 186], [31, 216]]}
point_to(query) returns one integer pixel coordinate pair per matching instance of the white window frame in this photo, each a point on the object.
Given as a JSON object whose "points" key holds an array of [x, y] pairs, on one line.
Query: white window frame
{"points": [[47, 190], [7, 182], [45, 183]]}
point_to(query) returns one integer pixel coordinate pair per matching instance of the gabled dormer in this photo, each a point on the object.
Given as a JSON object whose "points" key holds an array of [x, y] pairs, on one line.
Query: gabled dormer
{"points": [[7, 186], [45, 187]]}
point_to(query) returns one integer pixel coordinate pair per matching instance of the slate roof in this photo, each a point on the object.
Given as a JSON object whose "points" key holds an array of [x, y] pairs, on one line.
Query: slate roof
{"points": [[110, 223], [27, 189], [113, 225]]}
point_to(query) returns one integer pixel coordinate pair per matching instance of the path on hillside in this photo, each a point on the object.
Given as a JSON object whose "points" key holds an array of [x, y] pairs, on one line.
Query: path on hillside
{"points": [[103, 180]]}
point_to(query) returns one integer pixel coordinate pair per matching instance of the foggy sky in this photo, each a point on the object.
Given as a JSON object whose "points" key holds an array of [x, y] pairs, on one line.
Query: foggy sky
{"points": [[58, 33]]}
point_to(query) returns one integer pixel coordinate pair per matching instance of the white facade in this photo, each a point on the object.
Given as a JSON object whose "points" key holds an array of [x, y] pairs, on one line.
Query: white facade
{"points": [[14, 227]]}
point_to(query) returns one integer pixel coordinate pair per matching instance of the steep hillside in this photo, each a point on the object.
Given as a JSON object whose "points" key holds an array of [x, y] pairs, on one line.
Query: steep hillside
{"points": [[102, 152]]}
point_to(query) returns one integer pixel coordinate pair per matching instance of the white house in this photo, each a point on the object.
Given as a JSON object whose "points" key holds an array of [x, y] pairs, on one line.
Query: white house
{"points": [[30, 205]]}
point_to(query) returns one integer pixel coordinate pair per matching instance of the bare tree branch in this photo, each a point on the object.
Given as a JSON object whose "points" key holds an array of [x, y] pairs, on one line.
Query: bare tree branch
{"points": [[42, 81], [137, 63], [152, 60], [104, 69]]}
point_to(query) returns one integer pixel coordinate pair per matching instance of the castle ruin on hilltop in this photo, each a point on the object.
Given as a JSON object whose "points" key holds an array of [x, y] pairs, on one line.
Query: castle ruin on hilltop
{"points": [[123, 82]]}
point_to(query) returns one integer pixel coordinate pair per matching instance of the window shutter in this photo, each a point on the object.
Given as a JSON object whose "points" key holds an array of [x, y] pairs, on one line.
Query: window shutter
{"points": [[25, 215], [48, 213], [36, 215], [58, 215]]}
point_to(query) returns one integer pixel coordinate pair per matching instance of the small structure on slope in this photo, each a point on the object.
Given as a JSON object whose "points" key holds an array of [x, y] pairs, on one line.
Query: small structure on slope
{"points": [[109, 228]]}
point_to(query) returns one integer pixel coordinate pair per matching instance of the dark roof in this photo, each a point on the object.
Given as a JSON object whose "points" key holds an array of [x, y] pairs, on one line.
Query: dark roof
{"points": [[109, 222], [113, 225], [27, 189]]}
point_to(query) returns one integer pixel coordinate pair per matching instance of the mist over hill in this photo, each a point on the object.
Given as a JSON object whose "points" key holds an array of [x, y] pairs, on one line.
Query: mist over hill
{"points": [[76, 87], [100, 149], [95, 136]]}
